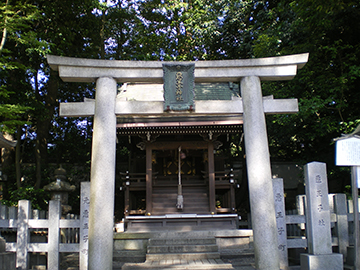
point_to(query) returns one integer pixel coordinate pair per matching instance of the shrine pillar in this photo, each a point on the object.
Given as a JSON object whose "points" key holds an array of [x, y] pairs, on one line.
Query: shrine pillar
{"points": [[211, 170], [148, 179], [102, 184], [259, 174]]}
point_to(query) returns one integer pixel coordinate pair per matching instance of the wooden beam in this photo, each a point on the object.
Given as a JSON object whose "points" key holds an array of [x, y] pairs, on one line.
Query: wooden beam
{"points": [[183, 144]]}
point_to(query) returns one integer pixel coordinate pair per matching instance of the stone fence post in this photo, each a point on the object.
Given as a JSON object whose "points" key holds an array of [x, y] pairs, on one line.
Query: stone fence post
{"points": [[23, 236]]}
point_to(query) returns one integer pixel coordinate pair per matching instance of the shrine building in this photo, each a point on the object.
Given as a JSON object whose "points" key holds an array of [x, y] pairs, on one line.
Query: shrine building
{"points": [[164, 145]]}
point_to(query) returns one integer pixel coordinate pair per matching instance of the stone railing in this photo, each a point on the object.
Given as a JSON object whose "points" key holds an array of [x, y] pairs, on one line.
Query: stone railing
{"points": [[63, 235]]}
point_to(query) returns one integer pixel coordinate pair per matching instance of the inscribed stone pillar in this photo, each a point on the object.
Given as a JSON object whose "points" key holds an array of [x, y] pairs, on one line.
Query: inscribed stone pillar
{"points": [[102, 176], [84, 226], [259, 175], [278, 188], [318, 226]]}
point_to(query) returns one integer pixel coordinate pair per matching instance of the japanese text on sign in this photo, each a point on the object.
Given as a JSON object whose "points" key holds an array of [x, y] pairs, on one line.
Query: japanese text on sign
{"points": [[179, 86]]}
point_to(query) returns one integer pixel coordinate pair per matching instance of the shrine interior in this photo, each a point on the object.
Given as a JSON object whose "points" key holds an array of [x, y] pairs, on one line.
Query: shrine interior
{"points": [[190, 145]]}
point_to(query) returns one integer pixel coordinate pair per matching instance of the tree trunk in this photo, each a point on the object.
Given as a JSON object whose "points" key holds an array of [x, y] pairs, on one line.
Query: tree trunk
{"points": [[44, 124], [18, 157], [4, 31]]}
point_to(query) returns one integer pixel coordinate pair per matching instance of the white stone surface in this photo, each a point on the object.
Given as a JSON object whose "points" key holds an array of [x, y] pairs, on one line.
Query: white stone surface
{"points": [[141, 92], [84, 226], [318, 227], [102, 183], [299, 59], [259, 175], [321, 262], [208, 107], [54, 235], [23, 235], [278, 187], [340, 207], [88, 70]]}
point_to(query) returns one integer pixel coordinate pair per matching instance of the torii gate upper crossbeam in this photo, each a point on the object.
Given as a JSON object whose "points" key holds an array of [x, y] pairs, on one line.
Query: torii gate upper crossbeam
{"points": [[88, 70]]}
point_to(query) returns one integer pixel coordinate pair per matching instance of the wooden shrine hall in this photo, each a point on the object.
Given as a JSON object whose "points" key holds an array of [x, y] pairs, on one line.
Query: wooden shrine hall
{"points": [[181, 183]]}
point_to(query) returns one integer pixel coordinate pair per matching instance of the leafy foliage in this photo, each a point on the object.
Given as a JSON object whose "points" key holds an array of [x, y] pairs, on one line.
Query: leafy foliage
{"points": [[327, 87], [38, 197]]}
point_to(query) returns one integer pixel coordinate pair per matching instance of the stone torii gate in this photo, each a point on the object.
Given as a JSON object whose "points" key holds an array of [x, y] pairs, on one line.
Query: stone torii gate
{"points": [[252, 106]]}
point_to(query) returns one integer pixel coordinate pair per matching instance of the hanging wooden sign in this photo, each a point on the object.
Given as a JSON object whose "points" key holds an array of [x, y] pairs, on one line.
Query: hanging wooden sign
{"points": [[179, 87]]}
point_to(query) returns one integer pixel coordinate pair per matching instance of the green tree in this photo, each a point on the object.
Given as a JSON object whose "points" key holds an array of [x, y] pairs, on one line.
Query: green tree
{"points": [[30, 30], [327, 87], [15, 19], [158, 30]]}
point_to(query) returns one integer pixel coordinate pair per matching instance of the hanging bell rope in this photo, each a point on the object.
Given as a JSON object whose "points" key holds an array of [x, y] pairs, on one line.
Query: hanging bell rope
{"points": [[180, 198]]}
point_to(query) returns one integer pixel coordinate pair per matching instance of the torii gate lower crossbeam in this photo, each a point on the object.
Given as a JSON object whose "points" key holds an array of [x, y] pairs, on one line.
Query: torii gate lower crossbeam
{"points": [[106, 73]]}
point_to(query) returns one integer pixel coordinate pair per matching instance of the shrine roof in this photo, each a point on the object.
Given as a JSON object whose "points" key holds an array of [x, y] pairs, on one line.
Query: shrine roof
{"points": [[199, 128]]}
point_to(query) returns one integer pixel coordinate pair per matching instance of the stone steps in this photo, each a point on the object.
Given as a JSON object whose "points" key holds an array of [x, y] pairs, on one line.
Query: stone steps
{"points": [[182, 241], [182, 256], [180, 248], [181, 253], [132, 256], [205, 264], [195, 200]]}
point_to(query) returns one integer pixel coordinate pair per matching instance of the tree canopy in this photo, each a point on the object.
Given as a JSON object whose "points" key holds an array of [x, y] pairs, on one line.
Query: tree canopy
{"points": [[327, 87]]}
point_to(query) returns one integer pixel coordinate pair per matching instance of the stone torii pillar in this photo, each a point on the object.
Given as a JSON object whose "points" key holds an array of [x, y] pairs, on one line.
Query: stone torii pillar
{"points": [[102, 188], [261, 196], [252, 107]]}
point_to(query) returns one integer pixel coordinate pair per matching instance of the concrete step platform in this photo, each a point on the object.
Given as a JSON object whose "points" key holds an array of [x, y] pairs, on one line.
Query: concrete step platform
{"points": [[182, 249], [182, 256], [182, 241], [205, 264], [132, 256]]}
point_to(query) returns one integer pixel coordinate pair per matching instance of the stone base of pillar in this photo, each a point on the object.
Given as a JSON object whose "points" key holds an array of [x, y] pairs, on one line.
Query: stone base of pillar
{"points": [[321, 262]]}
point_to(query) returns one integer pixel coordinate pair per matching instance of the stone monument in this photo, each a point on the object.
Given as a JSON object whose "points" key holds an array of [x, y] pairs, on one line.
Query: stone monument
{"points": [[279, 197], [318, 223]]}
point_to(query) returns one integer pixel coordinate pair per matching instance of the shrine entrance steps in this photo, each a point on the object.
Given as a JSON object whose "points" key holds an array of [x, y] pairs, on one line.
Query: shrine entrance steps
{"points": [[213, 249], [181, 253], [195, 196]]}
